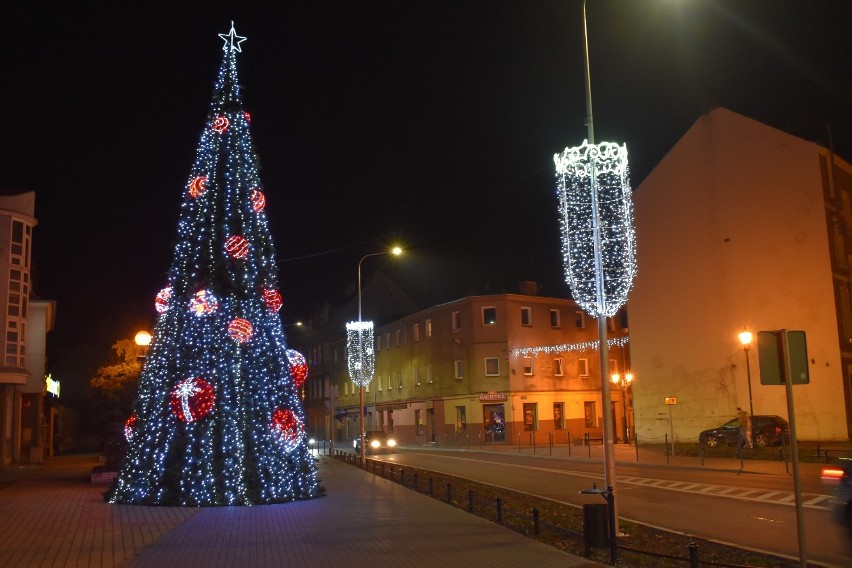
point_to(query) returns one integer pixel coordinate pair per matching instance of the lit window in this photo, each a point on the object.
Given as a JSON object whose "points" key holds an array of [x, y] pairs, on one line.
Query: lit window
{"points": [[459, 370], [528, 365], [583, 365], [429, 328], [557, 367], [489, 316]]}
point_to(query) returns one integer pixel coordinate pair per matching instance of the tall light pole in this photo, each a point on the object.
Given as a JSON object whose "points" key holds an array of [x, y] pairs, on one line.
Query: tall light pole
{"points": [[623, 383], [745, 339], [143, 340], [395, 251]]}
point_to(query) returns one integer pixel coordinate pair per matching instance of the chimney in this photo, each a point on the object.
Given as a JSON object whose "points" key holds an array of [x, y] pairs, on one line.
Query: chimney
{"points": [[528, 288]]}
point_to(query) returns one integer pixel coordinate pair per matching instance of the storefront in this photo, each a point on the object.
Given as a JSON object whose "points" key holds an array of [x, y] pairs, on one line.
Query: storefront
{"points": [[494, 416]]}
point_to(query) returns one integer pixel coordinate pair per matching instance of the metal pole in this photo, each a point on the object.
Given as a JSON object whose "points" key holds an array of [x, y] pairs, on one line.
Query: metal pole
{"points": [[748, 376], [794, 449]]}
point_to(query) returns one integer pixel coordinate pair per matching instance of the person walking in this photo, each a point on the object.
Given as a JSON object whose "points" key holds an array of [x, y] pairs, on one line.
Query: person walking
{"points": [[745, 428]]}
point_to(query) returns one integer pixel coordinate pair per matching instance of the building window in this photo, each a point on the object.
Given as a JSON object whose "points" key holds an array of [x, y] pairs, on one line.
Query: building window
{"points": [[415, 332], [583, 367], [378, 381], [528, 365], [580, 319], [530, 416], [613, 366], [428, 328], [398, 337], [387, 340], [526, 316], [590, 414], [399, 379], [492, 366], [459, 370], [379, 343], [558, 415], [557, 367], [428, 374], [390, 381], [461, 419], [417, 376], [610, 324], [456, 321], [489, 315], [554, 318]]}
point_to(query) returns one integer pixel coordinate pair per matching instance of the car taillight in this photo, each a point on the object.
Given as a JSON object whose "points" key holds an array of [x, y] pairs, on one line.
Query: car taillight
{"points": [[833, 473], [778, 430]]}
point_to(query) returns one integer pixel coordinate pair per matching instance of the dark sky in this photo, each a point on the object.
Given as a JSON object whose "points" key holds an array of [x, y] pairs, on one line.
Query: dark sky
{"points": [[432, 124]]}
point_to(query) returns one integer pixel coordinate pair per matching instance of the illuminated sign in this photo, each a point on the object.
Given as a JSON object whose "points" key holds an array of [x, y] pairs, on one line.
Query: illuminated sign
{"points": [[52, 386]]}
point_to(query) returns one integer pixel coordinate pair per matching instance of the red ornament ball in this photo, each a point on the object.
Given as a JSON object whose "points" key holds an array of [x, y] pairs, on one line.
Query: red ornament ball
{"points": [[161, 302], [298, 367], [287, 428], [197, 186], [128, 427], [247, 116], [258, 200], [220, 123], [272, 299], [237, 246], [192, 399], [240, 330], [203, 303]]}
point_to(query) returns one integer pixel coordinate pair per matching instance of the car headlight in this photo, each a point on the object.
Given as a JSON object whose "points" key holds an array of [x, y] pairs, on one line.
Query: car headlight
{"points": [[354, 443], [375, 443], [391, 442]]}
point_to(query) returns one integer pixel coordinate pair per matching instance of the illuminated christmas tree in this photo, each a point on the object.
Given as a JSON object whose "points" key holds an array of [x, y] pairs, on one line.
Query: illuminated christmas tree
{"points": [[218, 419]]}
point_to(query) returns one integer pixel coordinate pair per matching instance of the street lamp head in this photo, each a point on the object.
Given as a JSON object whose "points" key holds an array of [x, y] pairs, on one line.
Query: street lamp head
{"points": [[142, 339], [628, 378], [745, 338], [615, 378], [396, 251]]}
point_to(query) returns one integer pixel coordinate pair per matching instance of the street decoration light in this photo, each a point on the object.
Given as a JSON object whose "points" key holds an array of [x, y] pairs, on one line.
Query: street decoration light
{"points": [[598, 239], [143, 340], [622, 383], [745, 339], [360, 348]]}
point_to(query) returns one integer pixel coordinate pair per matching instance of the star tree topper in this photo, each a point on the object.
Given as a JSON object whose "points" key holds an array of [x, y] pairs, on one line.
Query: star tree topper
{"points": [[229, 39]]}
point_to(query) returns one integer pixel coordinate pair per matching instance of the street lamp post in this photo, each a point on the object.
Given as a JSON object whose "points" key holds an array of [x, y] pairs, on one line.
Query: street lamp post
{"points": [[395, 251], [623, 384], [143, 340], [745, 339]]}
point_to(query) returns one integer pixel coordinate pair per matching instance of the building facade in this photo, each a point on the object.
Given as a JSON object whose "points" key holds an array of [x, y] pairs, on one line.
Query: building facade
{"points": [[741, 226], [26, 321], [505, 368]]}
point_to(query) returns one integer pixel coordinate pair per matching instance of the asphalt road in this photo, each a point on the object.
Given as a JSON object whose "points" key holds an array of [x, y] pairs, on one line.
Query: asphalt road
{"points": [[750, 510]]}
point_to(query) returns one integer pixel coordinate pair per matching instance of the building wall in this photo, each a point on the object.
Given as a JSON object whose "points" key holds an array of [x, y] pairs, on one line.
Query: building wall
{"points": [[425, 365], [732, 234]]}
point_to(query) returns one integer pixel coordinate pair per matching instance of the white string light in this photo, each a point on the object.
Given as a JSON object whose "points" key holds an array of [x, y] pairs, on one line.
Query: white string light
{"points": [[567, 347], [360, 352]]}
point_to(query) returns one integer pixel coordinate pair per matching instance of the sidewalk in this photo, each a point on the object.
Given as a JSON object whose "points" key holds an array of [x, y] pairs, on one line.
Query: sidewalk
{"points": [[51, 516]]}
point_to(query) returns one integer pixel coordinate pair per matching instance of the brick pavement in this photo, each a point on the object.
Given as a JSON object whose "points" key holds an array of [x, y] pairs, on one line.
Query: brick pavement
{"points": [[51, 516]]}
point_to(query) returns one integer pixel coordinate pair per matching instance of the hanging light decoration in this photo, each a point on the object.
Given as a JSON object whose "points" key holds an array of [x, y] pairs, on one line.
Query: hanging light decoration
{"points": [[237, 246], [287, 429], [203, 303], [258, 200], [128, 428], [596, 217], [197, 186], [298, 367], [161, 302], [360, 352], [192, 399], [240, 330], [221, 123], [272, 299]]}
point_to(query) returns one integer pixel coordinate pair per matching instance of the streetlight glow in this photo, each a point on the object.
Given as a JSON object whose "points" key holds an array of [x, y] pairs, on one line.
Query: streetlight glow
{"points": [[745, 338], [142, 339]]}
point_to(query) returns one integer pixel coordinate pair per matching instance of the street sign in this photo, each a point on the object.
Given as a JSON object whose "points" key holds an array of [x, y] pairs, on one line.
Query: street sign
{"points": [[671, 400], [770, 353]]}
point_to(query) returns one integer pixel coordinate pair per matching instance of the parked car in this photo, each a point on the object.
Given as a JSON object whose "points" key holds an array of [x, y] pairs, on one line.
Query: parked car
{"points": [[839, 479], [768, 430], [375, 441]]}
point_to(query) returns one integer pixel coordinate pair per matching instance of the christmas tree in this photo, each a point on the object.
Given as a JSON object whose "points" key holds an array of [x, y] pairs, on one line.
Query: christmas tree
{"points": [[218, 419]]}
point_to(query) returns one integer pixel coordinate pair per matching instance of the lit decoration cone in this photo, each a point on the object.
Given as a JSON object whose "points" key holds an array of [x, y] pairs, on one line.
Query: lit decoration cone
{"points": [[218, 418], [360, 350]]}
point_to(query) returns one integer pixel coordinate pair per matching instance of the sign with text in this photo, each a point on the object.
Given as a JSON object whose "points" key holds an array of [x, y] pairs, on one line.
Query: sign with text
{"points": [[671, 400]]}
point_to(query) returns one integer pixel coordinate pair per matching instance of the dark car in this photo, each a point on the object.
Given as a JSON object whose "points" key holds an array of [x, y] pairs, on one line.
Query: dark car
{"points": [[839, 479], [375, 441], [768, 430]]}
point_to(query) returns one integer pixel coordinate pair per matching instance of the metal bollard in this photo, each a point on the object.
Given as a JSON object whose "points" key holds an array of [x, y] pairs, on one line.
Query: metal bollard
{"points": [[535, 521], [430, 486], [693, 554], [402, 477], [470, 500], [449, 493], [499, 502], [415, 481]]}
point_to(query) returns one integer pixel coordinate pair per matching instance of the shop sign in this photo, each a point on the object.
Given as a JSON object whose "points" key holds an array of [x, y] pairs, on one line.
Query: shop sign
{"points": [[493, 397]]}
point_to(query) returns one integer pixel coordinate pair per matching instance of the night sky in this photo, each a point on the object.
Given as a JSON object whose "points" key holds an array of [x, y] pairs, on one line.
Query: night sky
{"points": [[429, 124]]}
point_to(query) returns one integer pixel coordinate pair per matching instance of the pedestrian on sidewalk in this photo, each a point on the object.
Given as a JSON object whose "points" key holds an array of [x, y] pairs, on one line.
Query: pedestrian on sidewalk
{"points": [[745, 428]]}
